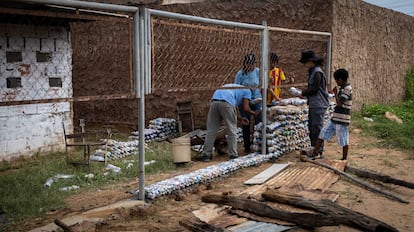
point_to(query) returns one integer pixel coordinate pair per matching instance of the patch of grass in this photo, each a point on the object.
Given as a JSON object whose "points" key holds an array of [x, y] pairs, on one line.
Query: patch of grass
{"points": [[393, 135], [22, 191], [409, 80], [389, 164]]}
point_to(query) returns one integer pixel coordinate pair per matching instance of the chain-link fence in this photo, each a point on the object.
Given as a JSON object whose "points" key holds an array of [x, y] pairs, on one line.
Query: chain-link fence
{"points": [[288, 47], [57, 56], [36, 59], [189, 56], [46, 58]]}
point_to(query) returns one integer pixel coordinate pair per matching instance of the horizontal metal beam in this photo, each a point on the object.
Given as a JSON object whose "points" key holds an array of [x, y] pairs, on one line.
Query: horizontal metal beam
{"points": [[85, 4], [178, 16], [299, 31]]}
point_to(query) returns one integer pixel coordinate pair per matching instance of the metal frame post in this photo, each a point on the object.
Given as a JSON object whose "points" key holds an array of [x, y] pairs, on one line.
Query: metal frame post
{"points": [[148, 44], [328, 61], [192, 18], [265, 77], [85, 4], [141, 110]]}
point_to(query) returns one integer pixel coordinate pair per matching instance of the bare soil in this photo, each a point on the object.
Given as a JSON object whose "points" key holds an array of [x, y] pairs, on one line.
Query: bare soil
{"points": [[167, 211]]}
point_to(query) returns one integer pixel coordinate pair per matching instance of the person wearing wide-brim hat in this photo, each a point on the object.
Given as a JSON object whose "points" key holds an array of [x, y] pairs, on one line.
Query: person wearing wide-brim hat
{"points": [[316, 93]]}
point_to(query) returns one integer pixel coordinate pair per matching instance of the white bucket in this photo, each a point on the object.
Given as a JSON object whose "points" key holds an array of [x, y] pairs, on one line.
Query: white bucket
{"points": [[181, 150]]}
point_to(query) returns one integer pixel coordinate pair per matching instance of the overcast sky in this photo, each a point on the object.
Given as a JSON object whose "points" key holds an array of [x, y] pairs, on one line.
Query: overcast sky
{"points": [[404, 6]]}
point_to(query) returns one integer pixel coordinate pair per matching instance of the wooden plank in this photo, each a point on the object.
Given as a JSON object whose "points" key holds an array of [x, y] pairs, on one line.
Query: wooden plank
{"points": [[196, 225], [254, 217], [262, 209], [227, 220], [57, 14], [337, 212], [209, 212], [378, 176], [266, 174]]}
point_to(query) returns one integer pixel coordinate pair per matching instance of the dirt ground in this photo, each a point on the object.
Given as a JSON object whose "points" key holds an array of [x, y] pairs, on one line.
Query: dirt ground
{"points": [[166, 212]]}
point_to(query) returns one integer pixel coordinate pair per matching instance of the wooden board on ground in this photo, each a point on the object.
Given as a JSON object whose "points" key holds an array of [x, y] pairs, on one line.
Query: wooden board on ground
{"points": [[266, 174], [209, 212], [218, 216], [257, 218], [227, 220]]}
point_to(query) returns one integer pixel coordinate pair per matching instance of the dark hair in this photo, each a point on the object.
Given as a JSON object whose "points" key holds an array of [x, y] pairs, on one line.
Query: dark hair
{"points": [[341, 74], [318, 61], [249, 59], [274, 58]]}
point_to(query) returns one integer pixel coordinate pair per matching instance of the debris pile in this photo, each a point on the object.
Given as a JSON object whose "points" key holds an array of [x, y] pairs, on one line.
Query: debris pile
{"points": [[159, 129], [115, 150]]}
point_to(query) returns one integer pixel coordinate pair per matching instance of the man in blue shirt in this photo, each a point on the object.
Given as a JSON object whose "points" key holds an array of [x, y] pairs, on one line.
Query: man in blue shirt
{"points": [[223, 108]]}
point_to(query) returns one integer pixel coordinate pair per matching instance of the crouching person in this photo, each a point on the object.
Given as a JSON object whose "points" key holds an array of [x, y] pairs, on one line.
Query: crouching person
{"points": [[339, 124], [223, 108]]}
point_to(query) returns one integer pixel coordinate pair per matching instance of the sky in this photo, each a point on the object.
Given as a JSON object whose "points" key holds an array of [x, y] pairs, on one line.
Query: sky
{"points": [[404, 6]]}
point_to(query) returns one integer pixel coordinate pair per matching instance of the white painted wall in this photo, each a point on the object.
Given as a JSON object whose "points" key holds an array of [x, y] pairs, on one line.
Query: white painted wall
{"points": [[29, 128]]}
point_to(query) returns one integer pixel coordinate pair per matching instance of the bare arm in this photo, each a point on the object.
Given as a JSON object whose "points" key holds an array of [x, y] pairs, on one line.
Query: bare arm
{"points": [[246, 108], [270, 90]]}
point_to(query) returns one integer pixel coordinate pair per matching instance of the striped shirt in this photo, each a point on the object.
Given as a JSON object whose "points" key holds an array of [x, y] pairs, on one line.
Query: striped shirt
{"points": [[342, 114]]}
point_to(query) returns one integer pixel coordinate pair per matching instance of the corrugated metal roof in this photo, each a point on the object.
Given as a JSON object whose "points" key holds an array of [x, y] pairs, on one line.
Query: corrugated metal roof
{"points": [[301, 176]]}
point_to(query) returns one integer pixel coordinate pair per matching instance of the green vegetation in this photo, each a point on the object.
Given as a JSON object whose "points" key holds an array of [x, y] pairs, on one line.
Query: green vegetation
{"points": [[22, 191], [409, 80], [392, 134]]}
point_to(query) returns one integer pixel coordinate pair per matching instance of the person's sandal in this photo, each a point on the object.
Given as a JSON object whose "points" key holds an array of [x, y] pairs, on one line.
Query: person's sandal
{"points": [[314, 156], [319, 155]]}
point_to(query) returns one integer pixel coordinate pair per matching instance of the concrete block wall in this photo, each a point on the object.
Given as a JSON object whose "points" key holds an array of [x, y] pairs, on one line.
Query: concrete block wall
{"points": [[29, 128]]}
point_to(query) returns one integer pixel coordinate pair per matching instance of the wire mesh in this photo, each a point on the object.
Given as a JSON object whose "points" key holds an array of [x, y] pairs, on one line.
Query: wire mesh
{"points": [[188, 56], [50, 59], [35, 59], [288, 47]]}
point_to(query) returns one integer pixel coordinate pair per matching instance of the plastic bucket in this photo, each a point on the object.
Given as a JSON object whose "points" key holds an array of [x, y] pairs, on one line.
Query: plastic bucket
{"points": [[181, 150]]}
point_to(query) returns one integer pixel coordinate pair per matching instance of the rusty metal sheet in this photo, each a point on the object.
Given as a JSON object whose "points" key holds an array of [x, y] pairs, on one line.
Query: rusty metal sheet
{"points": [[302, 178]]}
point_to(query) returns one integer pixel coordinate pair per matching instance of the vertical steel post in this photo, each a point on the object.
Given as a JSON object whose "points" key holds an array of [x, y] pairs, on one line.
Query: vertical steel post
{"points": [[139, 75], [142, 109], [147, 21], [328, 61], [265, 75]]}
